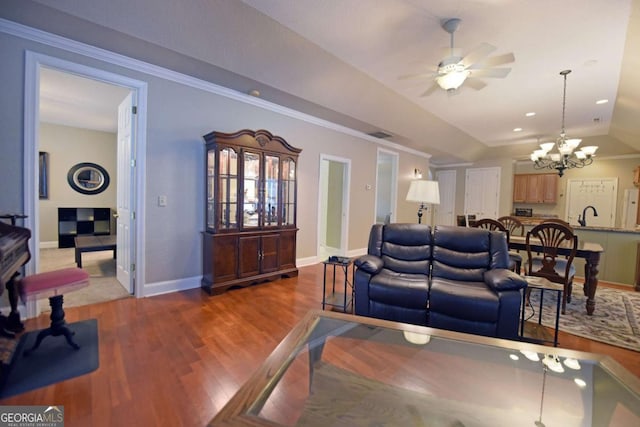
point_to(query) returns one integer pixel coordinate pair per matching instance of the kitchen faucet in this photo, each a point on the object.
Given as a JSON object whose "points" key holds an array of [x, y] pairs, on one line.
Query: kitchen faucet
{"points": [[583, 221]]}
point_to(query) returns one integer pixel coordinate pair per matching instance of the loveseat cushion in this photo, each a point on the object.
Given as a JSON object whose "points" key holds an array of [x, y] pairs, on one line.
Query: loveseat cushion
{"points": [[462, 253], [400, 289], [406, 248], [470, 301]]}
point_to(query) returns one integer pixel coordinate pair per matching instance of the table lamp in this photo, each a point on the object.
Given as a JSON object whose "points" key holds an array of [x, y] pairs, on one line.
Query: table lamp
{"points": [[425, 193]]}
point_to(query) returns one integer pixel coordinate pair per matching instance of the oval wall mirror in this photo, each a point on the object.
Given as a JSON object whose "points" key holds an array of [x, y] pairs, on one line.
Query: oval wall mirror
{"points": [[88, 178]]}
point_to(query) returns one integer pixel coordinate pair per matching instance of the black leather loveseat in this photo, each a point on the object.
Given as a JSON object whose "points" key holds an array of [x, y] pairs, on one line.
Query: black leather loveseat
{"points": [[446, 277]]}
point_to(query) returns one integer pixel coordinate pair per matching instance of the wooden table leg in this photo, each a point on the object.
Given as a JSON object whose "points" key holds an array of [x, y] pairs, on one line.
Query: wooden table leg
{"points": [[591, 281]]}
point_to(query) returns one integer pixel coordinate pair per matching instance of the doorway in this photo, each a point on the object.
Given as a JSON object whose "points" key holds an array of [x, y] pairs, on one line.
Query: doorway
{"points": [[386, 186], [37, 67], [333, 206]]}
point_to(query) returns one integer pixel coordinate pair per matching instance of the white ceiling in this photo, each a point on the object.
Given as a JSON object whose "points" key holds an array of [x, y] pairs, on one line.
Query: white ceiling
{"points": [[389, 38], [75, 101], [345, 56]]}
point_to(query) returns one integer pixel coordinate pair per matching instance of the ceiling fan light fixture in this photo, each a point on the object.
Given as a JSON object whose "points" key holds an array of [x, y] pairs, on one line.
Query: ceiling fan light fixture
{"points": [[452, 80]]}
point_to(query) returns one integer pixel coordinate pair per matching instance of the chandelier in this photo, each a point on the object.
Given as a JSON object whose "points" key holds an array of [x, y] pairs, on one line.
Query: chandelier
{"points": [[566, 157]]}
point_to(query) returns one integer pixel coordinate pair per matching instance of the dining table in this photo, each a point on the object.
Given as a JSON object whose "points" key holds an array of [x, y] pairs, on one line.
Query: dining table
{"points": [[588, 251]]}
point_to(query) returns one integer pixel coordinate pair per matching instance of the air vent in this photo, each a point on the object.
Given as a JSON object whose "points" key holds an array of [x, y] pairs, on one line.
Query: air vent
{"points": [[380, 134]]}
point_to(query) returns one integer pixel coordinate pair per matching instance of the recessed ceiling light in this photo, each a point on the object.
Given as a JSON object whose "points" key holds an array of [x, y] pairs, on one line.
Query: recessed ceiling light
{"points": [[530, 114], [254, 92], [517, 129], [602, 101]]}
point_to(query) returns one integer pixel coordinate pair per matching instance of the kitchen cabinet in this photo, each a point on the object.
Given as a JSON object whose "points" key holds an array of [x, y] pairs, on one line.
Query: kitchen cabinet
{"points": [[520, 188], [250, 217], [535, 188]]}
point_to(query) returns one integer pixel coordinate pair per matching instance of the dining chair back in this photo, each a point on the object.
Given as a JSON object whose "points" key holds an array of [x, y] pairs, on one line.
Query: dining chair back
{"points": [[558, 221], [547, 238], [513, 224]]}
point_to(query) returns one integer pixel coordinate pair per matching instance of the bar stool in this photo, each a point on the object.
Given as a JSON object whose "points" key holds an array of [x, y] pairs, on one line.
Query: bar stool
{"points": [[54, 284]]}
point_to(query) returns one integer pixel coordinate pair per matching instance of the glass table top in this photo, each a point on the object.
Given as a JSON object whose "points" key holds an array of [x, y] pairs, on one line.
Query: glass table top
{"points": [[337, 369]]}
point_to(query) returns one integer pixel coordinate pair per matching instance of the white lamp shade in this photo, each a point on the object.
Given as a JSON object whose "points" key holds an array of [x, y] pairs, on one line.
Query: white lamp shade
{"points": [[423, 191], [589, 150], [547, 146]]}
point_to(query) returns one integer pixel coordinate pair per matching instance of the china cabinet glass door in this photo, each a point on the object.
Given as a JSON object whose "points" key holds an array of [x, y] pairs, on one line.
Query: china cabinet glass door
{"points": [[228, 191], [271, 175], [251, 190], [288, 192]]}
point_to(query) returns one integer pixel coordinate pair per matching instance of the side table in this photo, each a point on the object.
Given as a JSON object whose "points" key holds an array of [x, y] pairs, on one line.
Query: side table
{"points": [[542, 284], [341, 299]]}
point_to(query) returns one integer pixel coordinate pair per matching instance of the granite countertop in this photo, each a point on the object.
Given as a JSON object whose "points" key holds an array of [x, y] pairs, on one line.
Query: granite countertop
{"points": [[608, 229], [535, 220]]}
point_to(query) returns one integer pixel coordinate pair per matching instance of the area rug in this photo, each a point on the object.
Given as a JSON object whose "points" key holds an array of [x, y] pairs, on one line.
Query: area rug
{"points": [[55, 360], [614, 321]]}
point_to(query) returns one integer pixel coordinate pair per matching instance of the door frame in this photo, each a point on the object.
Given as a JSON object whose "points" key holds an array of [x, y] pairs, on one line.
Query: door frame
{"points": [[33, 63], [345, 201]]}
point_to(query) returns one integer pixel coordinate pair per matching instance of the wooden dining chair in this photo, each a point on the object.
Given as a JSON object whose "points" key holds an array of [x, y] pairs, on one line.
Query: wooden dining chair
{"points": [[549, 236], [513, 224], [558, 221], [515, 260]]}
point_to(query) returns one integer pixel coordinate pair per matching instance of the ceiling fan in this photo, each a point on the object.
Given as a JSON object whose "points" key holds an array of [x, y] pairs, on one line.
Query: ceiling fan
{"points": [[455, 70]]}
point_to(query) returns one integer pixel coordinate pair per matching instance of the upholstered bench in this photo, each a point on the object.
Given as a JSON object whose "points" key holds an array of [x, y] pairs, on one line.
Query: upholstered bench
{"points": [[53, 284]]}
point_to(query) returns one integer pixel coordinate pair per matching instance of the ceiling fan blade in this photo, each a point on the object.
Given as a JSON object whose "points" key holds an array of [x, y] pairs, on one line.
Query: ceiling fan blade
{"points": [[474, 83], [477, 54], [429, 91], [490, 72], [507, 58], [417, 75]]}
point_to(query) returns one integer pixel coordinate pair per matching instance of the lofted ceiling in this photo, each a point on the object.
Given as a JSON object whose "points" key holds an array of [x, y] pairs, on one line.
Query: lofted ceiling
{"points": [[345, 56]]}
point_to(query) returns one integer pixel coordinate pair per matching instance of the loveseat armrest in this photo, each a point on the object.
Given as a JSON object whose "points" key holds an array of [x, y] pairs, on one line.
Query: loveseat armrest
{"points": [[370, 263], [501, 279]]}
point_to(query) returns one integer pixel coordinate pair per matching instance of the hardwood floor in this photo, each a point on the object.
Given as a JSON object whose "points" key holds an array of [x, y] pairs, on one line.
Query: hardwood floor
{"points": [[176, 359]]}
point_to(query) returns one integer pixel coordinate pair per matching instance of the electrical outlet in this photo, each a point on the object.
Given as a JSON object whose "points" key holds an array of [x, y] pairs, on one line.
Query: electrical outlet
{"points": [[162, 201]]}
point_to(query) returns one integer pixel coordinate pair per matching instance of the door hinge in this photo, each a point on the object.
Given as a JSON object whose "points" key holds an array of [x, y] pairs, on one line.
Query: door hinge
{"points": [[133, 163], [134, 109], [133, 267], [133, 215]]}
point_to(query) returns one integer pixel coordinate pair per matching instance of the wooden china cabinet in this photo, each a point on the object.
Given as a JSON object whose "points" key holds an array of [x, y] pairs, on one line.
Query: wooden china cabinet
{"points": [[250, 230]]}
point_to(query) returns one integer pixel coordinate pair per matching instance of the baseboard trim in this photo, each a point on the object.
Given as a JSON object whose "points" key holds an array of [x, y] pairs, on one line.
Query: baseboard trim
{"points": [[49, 245], [169, 286]]}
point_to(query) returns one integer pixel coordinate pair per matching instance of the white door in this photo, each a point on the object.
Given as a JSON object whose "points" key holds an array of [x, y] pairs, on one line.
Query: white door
{"points": [[444, 212], [482, 192], [124, 221], [386, 185]]}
